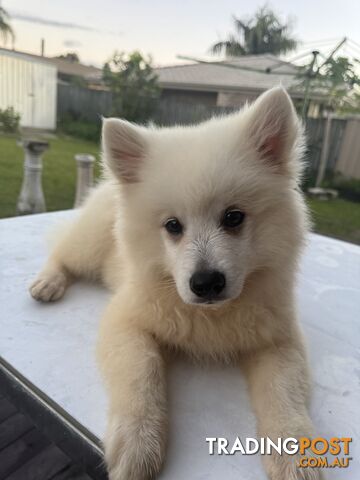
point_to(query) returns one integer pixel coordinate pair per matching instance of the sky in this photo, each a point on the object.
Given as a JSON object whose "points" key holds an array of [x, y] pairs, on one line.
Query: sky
{"points": [[167, 28]]}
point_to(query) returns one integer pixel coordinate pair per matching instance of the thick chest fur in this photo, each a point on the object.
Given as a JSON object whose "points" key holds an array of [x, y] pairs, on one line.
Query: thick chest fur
{"points": [[216, 332]]}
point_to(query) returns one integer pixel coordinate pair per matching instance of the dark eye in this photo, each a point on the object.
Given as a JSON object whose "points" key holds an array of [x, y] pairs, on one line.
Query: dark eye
{"points": [[233, 218], [173, 226]]}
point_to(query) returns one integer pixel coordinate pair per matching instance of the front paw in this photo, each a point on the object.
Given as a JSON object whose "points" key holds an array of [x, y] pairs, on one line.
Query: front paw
{"points": [[49, 286], [134, 448]]}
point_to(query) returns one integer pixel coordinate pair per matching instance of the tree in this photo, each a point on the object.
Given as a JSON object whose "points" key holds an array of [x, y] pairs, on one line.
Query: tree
{"points": [[133, 84], [264, 33], [72, 57], [6, 30], [339, 81], [342, 80]]}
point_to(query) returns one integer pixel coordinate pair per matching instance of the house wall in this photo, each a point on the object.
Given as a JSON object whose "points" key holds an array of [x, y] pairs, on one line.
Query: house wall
{"points": [[29, 86], [220, 99]]}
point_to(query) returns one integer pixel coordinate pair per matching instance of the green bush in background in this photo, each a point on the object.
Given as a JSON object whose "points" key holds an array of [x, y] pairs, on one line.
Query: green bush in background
{"points": [[75, 126], [9, 120], [348, 188], [134, 86]]}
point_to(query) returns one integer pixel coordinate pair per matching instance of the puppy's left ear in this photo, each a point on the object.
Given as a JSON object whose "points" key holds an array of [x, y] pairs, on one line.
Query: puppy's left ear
{"points": [[273, 126]]}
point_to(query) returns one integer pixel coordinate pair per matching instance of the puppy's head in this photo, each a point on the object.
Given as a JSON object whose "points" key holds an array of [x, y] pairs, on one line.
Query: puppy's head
{"points": [[208, 205]]}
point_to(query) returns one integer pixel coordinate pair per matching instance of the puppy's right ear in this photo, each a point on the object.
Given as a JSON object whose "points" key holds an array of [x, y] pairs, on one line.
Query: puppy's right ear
{"points": [[124, 148]]}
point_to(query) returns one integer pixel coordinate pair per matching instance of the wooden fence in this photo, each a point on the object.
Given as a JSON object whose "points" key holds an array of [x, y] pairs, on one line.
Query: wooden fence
{"points": [[340, 144], [82, 103], [343, 149], [170, 113], [315, 129], [348, 161]]}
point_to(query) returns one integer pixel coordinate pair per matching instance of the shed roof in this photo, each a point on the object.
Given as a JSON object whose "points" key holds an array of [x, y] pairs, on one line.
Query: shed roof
{"points": [[63, 66]]}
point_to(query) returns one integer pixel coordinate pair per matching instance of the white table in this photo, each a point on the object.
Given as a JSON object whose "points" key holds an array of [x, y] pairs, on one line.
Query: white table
{"points": [[52, 346]]}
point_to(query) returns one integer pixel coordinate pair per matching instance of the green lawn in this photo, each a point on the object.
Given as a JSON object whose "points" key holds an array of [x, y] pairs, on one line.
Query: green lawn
{"points": [[59, 174], [336, 218]]}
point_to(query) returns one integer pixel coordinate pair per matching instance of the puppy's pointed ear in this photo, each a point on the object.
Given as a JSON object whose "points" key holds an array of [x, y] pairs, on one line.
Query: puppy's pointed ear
{"points": [[273, 126], [124, 148]]}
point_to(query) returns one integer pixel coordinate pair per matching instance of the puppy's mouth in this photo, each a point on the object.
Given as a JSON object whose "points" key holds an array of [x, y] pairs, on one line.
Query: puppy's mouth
{"points": [[210, 302], [216, 301]]}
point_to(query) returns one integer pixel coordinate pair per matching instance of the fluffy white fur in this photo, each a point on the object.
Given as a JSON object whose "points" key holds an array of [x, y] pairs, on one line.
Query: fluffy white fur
{"points": [[249, 160]]}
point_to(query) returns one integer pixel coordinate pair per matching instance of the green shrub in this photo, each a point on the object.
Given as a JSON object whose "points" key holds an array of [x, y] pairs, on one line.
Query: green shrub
{"points": [[133, 84], [348, 188], [79, 128], [9, 120]]}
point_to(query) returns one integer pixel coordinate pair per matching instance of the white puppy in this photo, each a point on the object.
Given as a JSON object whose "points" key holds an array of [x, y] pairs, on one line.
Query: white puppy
{"points": [[198, 232]]}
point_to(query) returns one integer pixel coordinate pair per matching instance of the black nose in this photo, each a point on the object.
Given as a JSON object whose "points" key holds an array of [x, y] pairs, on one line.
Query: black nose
{"points": [[207, 284]]}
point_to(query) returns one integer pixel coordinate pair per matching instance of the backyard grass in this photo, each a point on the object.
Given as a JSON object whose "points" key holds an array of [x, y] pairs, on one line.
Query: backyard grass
{"points": [[336, 218], [59, 172]]}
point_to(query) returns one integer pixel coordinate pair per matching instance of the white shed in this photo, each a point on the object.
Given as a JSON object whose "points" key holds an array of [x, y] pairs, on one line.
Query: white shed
{"points": [[29, 85]]}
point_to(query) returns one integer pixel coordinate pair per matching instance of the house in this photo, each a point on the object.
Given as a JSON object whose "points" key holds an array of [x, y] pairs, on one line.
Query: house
{"points": [[232, 82], [34, 86], [29, 85], [67, 71]]}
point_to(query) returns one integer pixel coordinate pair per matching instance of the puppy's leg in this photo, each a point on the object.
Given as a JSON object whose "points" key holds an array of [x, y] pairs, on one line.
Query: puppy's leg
{"points": [[279, 386], [133, 370], [80, 249]]}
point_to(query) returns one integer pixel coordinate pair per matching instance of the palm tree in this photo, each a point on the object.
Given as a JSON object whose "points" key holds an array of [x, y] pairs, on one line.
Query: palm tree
{"points": [[262, 34], [6, 30]]}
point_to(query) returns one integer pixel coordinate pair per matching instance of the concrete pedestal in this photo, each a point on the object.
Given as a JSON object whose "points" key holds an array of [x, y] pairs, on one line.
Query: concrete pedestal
{"points": [[31, 198], [85, 176]]}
